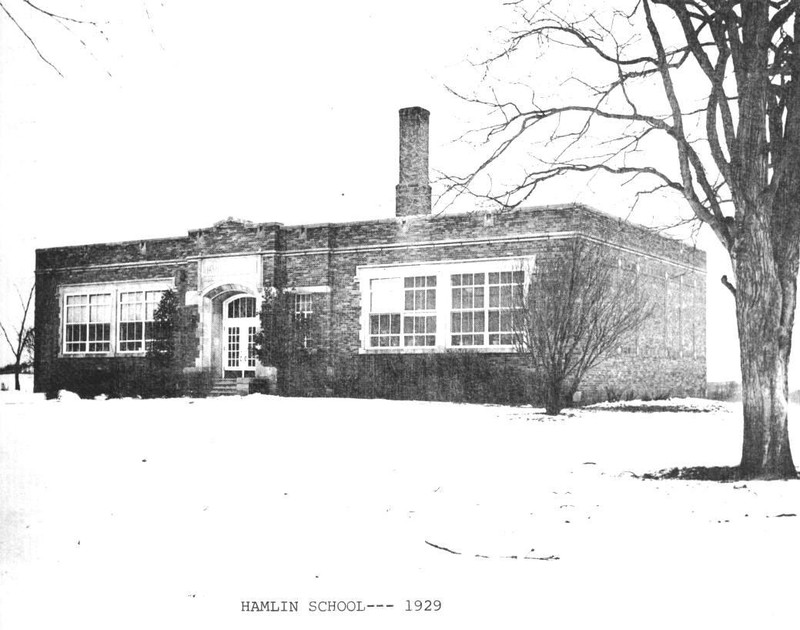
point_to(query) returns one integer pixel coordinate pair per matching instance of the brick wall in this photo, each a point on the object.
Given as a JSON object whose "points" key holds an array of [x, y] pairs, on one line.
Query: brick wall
{"points": [[666, 358]]}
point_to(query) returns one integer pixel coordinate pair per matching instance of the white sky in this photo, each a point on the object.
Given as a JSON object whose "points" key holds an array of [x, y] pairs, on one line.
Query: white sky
{"points": [[263, 111]]}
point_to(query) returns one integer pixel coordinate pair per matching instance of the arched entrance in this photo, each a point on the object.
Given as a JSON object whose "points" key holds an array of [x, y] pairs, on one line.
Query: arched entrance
{"points": [[229, 322], [240, 325]]}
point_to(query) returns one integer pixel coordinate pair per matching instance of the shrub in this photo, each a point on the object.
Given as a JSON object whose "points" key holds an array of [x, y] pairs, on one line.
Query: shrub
{"points": [[453, 376]]}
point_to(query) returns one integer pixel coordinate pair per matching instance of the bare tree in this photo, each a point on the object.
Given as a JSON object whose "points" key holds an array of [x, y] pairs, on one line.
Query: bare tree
{"points": [[34, 20], [21, 340], [578, 308], [30, 17], [730, 149]]}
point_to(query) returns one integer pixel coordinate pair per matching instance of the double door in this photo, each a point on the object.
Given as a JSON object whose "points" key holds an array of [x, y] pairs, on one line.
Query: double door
{"points": [[240, 326]]}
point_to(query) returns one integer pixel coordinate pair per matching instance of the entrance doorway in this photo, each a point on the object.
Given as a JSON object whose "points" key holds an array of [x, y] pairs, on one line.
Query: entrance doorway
{"points": [[240, 324]]}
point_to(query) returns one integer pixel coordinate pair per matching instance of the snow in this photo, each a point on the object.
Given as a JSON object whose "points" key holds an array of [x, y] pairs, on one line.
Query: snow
{"points": [[170, 513], [25, 382], [695, 405], [67, 396]]}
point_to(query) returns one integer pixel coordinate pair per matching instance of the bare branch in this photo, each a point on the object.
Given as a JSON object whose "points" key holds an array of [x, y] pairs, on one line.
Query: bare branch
{"points": [[8, 339], [30, 39], [728, 285], [57, 16]]}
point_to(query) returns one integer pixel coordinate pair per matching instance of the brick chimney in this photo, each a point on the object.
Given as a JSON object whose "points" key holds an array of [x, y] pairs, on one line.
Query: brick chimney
{"points": [[414, 190]]}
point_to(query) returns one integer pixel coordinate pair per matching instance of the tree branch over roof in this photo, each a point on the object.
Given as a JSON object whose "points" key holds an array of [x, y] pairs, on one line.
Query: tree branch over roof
{"points": [[708, 167]]}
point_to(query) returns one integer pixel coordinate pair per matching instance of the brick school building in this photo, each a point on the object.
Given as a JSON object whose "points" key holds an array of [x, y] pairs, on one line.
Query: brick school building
{"points": [[407, 306]]}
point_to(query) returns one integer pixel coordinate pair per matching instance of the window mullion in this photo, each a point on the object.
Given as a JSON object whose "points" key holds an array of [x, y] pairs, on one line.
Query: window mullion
{"points": [[114, 321]]}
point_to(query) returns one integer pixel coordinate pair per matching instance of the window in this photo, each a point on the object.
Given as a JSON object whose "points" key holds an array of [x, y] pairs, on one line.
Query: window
{"points": [[386, 301], [410, 301], [242, 307], [505, 293], [468, 317], [109, 318], [441, 305], [88, 323], [302, 306], [136, 319], [476, 322], [252, 354], [301, 315], [419, 318]]}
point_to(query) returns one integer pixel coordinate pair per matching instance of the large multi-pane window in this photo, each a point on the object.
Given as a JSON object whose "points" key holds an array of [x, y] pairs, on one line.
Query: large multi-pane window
{"points": [[452, 305], [136, 319], [402, 312], [103, 319], [476, 321], [88, 323]]}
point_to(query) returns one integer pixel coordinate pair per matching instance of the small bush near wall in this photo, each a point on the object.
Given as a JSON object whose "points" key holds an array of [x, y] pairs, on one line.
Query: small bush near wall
{"points": [[138, 377], [86, 380], [453, 376], [724, 390], [304, 374], [196, 384], [115, 378], [615, 394]]}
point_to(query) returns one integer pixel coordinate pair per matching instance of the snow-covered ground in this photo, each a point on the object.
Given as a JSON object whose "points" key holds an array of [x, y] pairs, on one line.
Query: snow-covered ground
{"points": [[169, 513], [25, 382]]}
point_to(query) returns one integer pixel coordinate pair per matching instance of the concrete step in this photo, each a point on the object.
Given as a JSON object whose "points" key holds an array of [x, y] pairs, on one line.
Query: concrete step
{"points": [[224, 387]]}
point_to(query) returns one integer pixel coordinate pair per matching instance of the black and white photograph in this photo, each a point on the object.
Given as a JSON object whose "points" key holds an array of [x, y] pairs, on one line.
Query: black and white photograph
{"points": [[419, 314]]}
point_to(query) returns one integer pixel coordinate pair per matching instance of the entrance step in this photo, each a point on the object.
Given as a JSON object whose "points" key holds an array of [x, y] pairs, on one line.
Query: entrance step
{"points": [[224, 387]]}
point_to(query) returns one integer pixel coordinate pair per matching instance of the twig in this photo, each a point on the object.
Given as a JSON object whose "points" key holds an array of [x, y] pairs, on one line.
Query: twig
{"points": [[456, 553]]}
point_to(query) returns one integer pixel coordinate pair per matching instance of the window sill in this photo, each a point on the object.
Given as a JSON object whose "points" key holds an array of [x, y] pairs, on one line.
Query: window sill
{"points": [[441, 350], [99, 355]]}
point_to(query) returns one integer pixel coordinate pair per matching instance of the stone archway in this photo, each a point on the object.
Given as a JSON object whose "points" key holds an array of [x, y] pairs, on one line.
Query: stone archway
{"points": [[215, 339]]}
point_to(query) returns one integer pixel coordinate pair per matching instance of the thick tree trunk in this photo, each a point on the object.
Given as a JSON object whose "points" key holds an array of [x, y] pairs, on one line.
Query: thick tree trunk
{"points": [[16, 377], [554, 399], [765, 250], [765, 303], [765, 447]]}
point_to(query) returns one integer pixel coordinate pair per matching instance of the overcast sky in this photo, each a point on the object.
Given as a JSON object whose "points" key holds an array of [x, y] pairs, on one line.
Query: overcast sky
{"points": [[180, 115]]}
